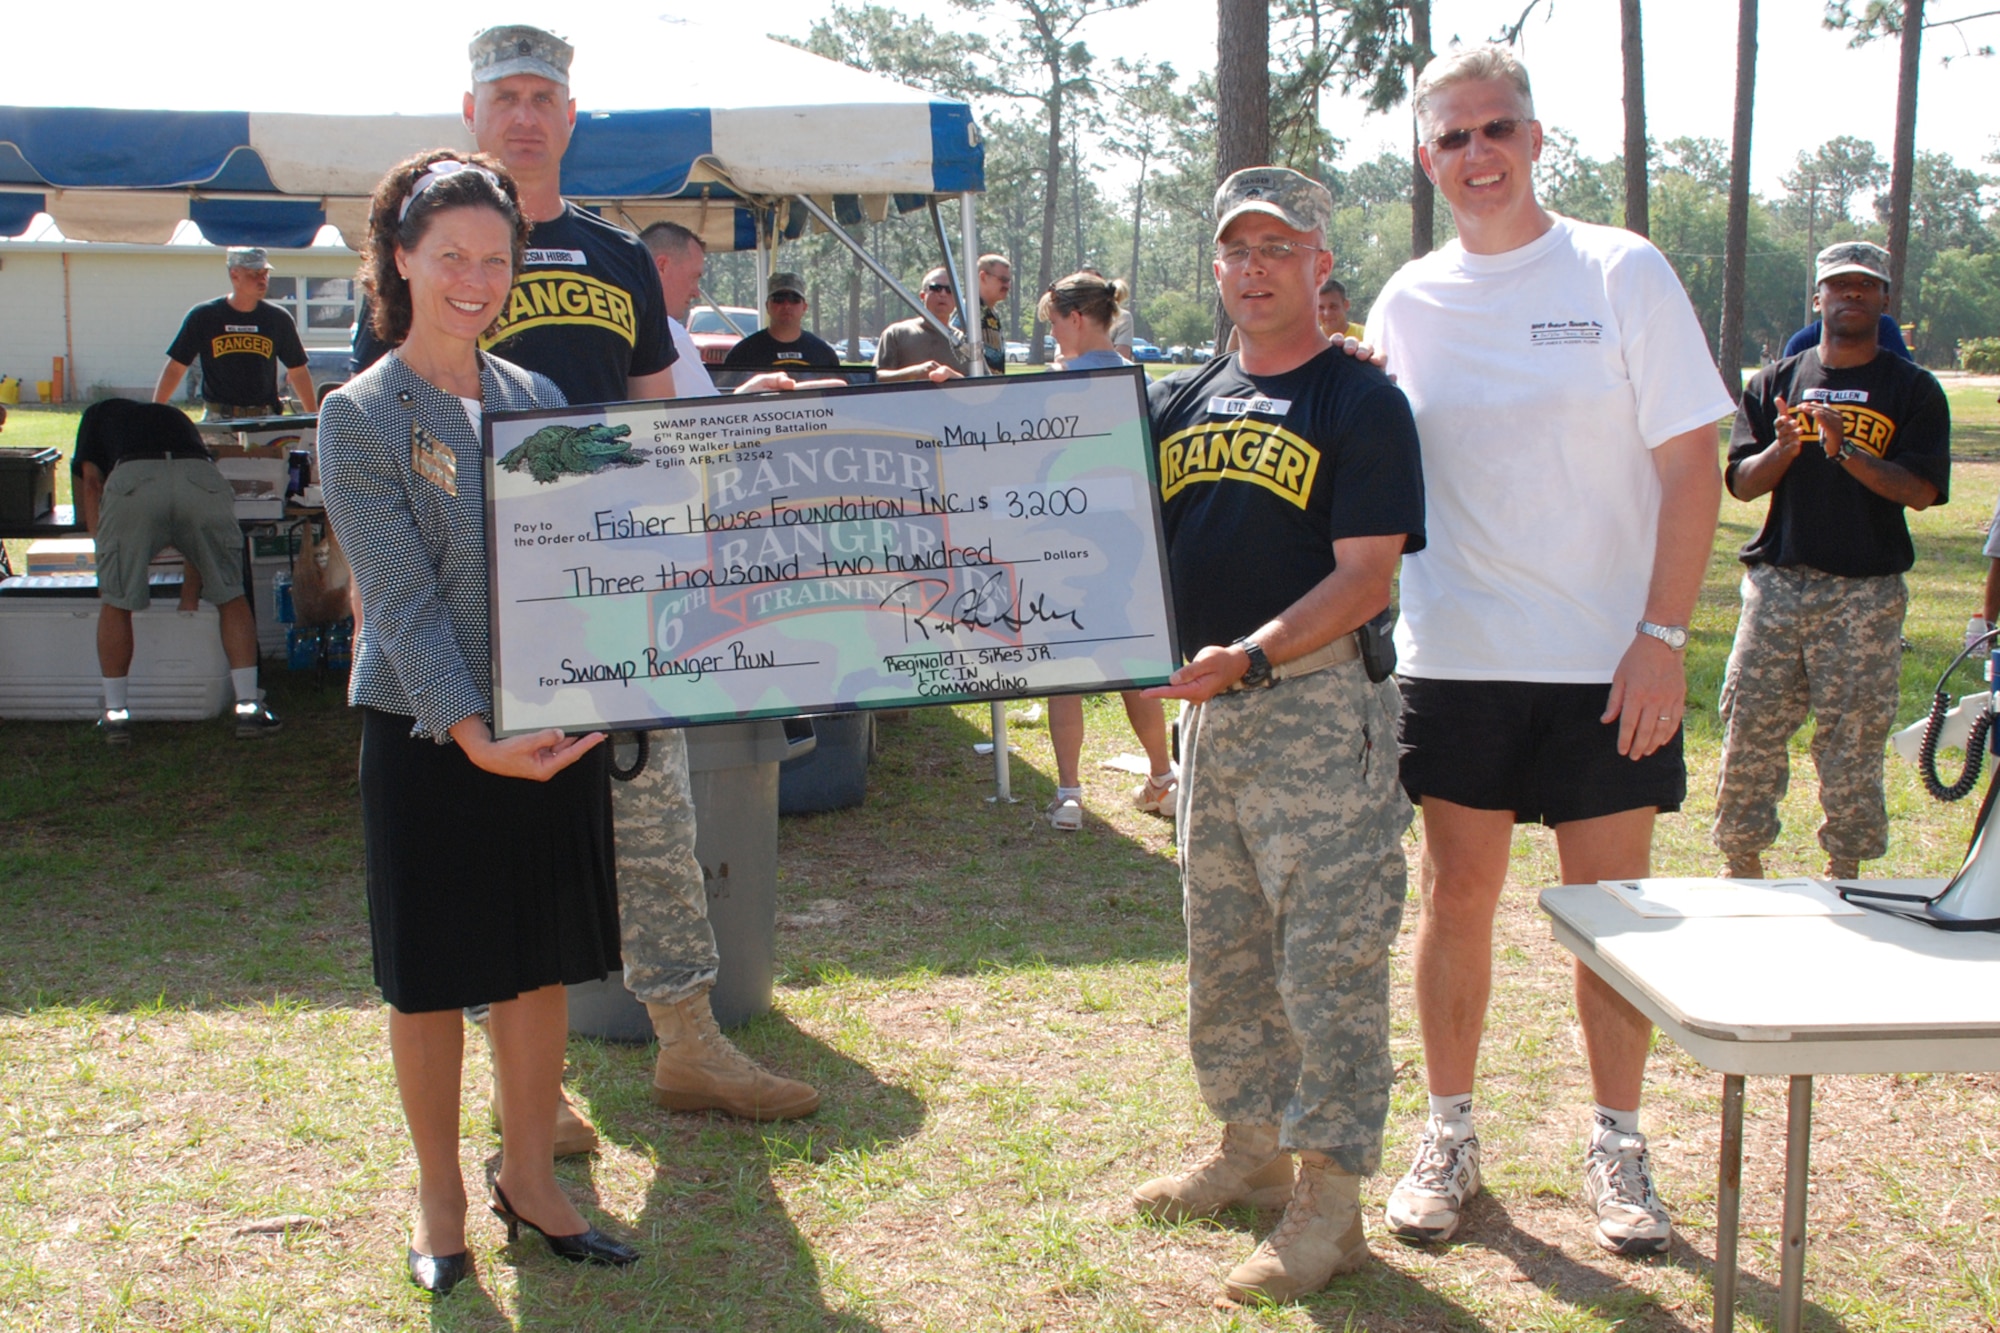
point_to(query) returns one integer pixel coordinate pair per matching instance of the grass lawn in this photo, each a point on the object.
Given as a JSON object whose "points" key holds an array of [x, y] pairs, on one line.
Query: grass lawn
{"points": [[199, 1127]]}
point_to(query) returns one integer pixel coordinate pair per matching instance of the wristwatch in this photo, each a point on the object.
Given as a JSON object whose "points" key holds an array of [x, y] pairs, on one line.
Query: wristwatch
{"points": [[1674, 636], [1260, 665], [1849, 449]]}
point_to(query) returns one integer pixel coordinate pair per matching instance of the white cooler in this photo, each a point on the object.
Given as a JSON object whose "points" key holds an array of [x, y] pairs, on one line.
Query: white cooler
{"points": [[49, 672]]}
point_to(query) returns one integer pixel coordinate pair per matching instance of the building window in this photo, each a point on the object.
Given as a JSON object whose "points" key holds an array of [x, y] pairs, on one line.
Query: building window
{"points": [[329, 303]]}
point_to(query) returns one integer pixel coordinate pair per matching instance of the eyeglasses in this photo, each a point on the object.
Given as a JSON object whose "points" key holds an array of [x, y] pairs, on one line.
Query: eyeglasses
{"points": [[787, 298], [1271, 252], [1496, 131], [937, 286]]}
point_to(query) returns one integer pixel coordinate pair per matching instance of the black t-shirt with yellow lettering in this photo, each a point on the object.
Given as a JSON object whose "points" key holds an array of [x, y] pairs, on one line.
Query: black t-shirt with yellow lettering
{"points": [[1260, 475], [239, 351], [586, 309], [1820, 516]]}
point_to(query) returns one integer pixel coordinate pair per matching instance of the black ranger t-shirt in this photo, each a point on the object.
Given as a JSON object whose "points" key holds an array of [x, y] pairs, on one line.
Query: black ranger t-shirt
{"points": [[586, 309], [1260, 475], [239, 351], [118, 429], [1820, 516], [760, 349]]}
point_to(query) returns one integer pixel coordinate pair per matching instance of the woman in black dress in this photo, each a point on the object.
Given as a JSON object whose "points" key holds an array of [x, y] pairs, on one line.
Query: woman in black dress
{"points": [[489, 862]]}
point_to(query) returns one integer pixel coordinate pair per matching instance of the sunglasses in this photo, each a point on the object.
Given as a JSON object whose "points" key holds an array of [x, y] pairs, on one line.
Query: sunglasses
{"points": [[788, 298], [937, 286], [1496, 131]]}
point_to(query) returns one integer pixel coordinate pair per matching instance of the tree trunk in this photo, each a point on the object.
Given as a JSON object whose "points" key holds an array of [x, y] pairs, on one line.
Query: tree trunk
{"points": [[1729, 347], [1138, 217], [1052, 174], [854, 311], [1242, 99], [1423, 195], [1903, 170], [1635, 118]]}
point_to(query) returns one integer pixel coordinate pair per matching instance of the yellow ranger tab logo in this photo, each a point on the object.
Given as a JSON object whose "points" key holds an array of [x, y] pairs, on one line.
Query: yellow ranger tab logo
{"points": [[1262, 453], [543, 299], [256, 344], [1867, 429]]}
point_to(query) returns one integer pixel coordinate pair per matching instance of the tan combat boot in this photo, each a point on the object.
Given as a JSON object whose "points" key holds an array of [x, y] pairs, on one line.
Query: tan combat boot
{"points": [[1246, 1169], [699, 1069], [1319, 1236], [1745, 865], [1840, 867]]}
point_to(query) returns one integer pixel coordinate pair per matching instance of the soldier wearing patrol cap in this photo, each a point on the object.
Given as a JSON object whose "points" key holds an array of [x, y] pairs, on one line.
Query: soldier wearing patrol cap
{"points": [[1844, 437], [587, 311], [239, 339], [783, 342], [1291, 487]]}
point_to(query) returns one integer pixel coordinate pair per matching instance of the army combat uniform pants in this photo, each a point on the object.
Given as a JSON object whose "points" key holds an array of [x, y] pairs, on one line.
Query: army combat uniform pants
{"points": [[1814, 642], [663, 927], [1291, 821]]}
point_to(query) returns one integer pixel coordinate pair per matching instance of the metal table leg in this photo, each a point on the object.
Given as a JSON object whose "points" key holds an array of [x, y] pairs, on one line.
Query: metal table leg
{"points": [[1798, 1155], [1003, 790], [1728, 1203]]}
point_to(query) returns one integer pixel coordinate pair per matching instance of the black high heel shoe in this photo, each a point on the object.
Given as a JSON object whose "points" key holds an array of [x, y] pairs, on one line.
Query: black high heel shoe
{"points": [[590, 1246], [439, 1273]]}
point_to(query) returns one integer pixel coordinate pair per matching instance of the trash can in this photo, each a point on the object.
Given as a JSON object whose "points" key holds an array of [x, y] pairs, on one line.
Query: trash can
{"points": [[733, 770], [834, 775]]}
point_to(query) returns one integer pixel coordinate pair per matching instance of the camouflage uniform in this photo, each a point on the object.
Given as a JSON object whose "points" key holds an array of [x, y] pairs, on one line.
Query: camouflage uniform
{"points": [[1291, 823], [1810, 640], [663, 925]]}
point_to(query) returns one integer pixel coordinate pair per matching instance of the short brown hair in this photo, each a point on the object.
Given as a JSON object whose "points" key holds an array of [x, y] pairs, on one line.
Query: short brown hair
{"points": [[391, 226], [671, 238]]}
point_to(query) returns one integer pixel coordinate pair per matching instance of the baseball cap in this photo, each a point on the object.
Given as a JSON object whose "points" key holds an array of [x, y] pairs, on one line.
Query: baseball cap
{"points": [[785, 282], [516, 48], [1852, 257], [1300, 202], [248, 256]]}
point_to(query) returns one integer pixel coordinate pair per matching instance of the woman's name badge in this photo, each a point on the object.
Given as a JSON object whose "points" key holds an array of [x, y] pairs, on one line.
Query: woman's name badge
{"points": [[432, 459]]}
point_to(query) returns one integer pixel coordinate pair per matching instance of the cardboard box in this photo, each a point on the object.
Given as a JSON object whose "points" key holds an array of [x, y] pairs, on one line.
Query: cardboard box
{"points": [[259, 484], [62, 555]]}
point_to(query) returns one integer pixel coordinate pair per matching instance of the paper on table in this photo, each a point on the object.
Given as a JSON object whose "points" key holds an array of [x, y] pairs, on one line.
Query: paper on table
{"points": [[1693, 897]]}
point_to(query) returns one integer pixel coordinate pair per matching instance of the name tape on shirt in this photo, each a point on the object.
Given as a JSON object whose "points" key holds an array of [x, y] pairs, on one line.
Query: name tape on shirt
{"points": [[1262, 453], [554, 257], [1237, 407], [1825, 395], [256, 344], [540, 300], [241, 328]]}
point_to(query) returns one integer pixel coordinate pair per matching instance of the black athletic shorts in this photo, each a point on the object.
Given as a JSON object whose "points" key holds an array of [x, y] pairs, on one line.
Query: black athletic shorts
{"points": [[1534, 748]]}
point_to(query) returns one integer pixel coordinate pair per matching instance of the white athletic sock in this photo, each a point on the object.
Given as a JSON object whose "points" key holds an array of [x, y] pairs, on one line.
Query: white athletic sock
{"points": [[1456, 1109], [1608, 1121], [244, 681], [116, 692], [1069, 794]]}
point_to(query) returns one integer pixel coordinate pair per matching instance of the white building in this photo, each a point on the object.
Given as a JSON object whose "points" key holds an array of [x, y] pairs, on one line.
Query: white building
{"points": [[112, 310]]}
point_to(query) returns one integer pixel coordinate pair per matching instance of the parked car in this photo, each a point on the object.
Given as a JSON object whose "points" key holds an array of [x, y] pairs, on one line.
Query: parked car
{"points": [[712, 334], [1203, 354], [1143, 351], [1017, 353]]}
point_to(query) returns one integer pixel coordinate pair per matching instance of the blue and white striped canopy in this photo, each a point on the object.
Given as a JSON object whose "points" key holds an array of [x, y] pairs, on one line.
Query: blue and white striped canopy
{"points": [[674, 120]]}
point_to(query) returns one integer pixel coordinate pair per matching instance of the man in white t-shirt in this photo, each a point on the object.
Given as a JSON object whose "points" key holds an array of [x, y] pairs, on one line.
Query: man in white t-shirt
{"points": [[1567, 407], [680, 256]]}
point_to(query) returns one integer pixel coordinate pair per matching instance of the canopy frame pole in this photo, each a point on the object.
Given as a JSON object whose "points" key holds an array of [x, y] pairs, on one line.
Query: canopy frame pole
{"points": [[952, 267], [874, 266], [968, 230]]}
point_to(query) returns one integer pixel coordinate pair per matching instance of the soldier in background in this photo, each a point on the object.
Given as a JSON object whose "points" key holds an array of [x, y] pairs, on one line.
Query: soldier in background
{"points": [[1844, 437]]}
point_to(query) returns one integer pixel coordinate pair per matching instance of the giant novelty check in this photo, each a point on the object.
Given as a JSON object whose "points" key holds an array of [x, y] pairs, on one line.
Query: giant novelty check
{"points": [[713, 559]]}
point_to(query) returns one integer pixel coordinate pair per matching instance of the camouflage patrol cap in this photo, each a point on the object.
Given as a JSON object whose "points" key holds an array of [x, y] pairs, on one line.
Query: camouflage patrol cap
{"points": [[1300, 202], [785, 282], [516, 48], [247, 256], [1852, 257]]}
